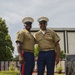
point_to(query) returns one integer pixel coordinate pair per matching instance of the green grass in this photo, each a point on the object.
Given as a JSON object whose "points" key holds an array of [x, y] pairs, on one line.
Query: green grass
{"points": [[18, 73], [9, 73]]}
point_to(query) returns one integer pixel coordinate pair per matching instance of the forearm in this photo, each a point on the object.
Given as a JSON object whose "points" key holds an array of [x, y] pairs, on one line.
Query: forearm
{"points": [[19, 48], [57, 53], [57, 50]]}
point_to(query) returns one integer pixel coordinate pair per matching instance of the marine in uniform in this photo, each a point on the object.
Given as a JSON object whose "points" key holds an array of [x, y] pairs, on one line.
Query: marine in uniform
{"points": [[25, 42], [48, 42]]}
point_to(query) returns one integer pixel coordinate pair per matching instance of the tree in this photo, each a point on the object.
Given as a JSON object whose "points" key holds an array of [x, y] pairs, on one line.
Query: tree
{"points": [[6, 48], [16, 58]]}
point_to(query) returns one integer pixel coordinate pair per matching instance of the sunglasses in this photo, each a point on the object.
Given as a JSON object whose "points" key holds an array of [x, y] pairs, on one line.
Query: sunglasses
{"points": [[43, 23]]}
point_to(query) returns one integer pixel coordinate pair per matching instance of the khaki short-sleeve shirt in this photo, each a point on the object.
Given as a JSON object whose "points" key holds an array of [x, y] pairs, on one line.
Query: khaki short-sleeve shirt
{"points": [[26, 38], [47, 40]]}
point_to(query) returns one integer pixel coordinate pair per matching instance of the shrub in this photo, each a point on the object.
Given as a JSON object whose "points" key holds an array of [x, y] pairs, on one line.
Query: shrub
{"points": [[59, 69], [62, 54], [12, 67]]}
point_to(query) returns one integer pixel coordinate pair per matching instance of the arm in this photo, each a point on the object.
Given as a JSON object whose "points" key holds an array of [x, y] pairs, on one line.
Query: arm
{"points": [[35, 38], [57, 45], [19, 49]]}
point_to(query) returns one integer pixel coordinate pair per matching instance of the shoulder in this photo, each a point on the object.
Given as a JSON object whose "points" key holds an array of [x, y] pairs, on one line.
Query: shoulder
{"points": [[21, 31], [18, 32], [54, 33], [37, 33], [50, 31]]}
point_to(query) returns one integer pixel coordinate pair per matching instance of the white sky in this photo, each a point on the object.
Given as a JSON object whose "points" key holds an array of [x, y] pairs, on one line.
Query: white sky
{"points": [[61, 13]]}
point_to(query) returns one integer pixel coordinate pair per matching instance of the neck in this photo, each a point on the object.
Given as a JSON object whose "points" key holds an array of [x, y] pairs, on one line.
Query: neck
{"points": [[28, 30], [43, 29]]}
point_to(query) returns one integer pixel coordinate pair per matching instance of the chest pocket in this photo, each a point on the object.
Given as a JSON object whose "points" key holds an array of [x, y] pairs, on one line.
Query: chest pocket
{"points": [[39, 37], [48, 37], [28, 37]]}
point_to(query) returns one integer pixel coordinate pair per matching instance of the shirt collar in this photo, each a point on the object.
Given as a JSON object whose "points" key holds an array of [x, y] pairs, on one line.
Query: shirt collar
{"points": [[42, 31], [26, 31]]}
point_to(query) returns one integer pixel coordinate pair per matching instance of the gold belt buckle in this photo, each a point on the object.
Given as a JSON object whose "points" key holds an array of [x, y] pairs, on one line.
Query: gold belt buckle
{"points": [[47, 49]]}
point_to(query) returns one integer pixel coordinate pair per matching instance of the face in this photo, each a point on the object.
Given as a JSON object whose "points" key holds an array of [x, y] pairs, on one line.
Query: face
{"points": [[43, 25], [28, 26]]}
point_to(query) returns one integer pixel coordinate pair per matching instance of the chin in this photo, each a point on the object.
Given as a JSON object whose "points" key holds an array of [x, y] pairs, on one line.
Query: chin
{"points": [[43, 29]]}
